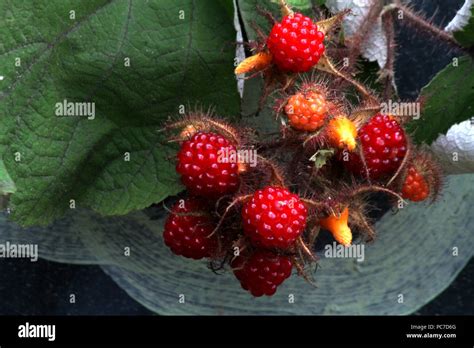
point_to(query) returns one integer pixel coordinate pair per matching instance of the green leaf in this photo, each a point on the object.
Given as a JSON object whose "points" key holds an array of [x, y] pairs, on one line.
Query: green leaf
{"points": [[228, 6], [449, 100], [321, 156], [466, 36], [180, 53]]}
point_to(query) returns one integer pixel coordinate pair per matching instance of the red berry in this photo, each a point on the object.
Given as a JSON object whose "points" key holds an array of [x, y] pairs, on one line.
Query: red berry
{"points": [[205, 165], [308, 111], [262, 273], [415, 188], [295, 43], [187, 230], [384, 145], [274, 217]]}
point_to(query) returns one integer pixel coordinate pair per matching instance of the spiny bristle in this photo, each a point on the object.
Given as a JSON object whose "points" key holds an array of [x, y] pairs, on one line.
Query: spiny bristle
{"points": [[327, 24], [359, 220], [326, 65], [364, 112], [285, 8], [266, 14], [204, 121], [314, 82]]}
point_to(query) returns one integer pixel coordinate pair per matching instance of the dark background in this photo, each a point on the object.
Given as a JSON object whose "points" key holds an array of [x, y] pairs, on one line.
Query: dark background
{"points": [[43, 287]]}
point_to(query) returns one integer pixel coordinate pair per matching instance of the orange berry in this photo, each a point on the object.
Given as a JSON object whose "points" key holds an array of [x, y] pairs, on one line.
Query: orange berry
{"points": [[415, 188], [308, 111], [342, 133], [338, 226]]}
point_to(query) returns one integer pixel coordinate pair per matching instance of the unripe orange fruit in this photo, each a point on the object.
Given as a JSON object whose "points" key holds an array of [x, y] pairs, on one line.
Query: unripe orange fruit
{"points": [[307, 111]]}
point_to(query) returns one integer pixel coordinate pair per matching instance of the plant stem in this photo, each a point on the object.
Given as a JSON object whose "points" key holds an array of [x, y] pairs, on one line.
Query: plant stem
{"points": [[425, 25], [364, 30], [387, 74]]}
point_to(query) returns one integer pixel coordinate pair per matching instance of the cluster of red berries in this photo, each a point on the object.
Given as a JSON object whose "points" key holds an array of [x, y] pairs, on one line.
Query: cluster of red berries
{"points": [[274, 228], [272, 218]]}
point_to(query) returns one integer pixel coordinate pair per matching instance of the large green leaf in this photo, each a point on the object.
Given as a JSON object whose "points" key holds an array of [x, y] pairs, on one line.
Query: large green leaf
{"points": [[180, 53], [449, 99], [228, 6]]}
